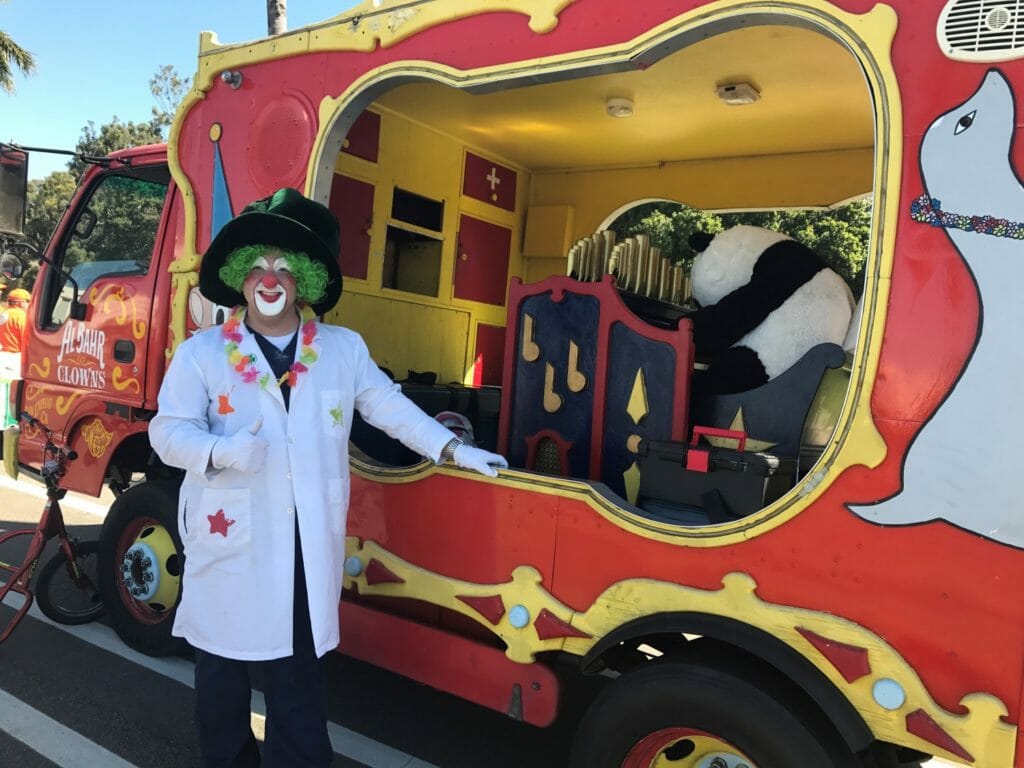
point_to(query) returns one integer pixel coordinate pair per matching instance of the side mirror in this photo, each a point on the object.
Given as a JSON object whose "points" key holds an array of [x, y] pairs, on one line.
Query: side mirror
{"points": [[85, 224], [11, 266], [13, 189]]}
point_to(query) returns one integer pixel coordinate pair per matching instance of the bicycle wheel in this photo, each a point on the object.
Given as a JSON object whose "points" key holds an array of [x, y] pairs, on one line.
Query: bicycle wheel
{"points": [[62, 600]]}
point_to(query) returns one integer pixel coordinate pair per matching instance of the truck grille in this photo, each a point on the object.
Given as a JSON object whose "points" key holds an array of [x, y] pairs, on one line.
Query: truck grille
{"points": [[982, 30]]}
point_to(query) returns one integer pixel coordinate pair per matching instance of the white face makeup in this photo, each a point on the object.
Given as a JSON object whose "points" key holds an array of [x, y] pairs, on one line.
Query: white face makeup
{"points": [[269, 287]]}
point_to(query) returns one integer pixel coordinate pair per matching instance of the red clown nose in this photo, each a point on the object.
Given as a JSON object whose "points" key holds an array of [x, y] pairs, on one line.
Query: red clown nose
{"points": [[269, 281]]}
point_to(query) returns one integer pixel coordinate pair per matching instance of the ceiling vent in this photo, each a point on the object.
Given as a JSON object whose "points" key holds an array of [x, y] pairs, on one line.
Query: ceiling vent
{"points": [[982, 30]]}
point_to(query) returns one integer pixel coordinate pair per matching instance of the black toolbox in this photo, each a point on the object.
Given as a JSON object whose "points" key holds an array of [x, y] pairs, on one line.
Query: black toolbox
{"points": [[703, 484]]}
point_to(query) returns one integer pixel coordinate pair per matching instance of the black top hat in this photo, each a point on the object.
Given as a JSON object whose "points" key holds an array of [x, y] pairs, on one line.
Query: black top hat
{"points": [[286, 220]]}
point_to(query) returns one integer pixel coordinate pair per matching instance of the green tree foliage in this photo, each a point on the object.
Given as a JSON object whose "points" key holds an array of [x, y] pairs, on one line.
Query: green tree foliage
{"points": [[840, 236], [168, 89], [111, 137], [47, 200], [13, 56]]}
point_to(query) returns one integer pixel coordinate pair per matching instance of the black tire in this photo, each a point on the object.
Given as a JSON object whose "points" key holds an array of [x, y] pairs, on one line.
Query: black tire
{"points": [[59, 598], [679, 711], [140, 539]]}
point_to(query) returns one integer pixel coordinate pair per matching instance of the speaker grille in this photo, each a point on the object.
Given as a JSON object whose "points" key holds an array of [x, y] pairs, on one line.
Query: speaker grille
{"points": [[982, 30]]}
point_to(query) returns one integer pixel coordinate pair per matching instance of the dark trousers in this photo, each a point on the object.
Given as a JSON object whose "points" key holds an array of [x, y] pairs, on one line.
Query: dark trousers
{"points": [[295, 691]]}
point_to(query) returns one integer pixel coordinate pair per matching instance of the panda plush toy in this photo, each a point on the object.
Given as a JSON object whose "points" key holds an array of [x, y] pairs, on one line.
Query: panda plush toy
{"points": [[765, 300]]}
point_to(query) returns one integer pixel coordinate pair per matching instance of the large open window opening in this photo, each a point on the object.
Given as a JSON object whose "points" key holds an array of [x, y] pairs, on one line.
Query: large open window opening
{"points": [[767, 124]]}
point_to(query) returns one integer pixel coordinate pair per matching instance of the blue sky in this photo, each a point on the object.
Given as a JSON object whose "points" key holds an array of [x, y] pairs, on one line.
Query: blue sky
{"points": [[95, 60]]}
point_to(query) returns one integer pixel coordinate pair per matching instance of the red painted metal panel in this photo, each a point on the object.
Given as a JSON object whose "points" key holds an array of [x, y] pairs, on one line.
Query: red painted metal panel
{"points": [[472, 670], [363, 139], [481, 261], [489, 181], [352, 202], [490, 350]]}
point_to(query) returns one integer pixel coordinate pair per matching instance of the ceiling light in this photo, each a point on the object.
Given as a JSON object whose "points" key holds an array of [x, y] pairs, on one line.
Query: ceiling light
{"points": [[736, 94], [617, 107]]}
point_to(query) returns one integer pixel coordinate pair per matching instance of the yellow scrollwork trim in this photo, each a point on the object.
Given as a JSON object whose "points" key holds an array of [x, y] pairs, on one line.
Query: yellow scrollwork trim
{"points": [[182, 283], [121, 384], [116, 293], [42, 371], [982, 731], [64, 403]]}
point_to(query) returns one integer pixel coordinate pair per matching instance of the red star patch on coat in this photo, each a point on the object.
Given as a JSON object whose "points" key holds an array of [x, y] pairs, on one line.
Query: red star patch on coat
{"points": [[219, 523]]}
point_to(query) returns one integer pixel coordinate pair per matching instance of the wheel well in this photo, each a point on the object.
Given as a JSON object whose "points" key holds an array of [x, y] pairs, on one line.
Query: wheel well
{"points": [[737, 647], [134, 455]]}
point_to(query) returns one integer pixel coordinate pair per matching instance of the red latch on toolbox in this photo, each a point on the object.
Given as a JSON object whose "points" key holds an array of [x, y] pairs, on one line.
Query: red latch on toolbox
{"points": [[697, 460], [734, 434]]}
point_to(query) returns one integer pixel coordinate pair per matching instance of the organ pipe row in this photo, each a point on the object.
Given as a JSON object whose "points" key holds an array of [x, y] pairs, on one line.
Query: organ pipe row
{"points": [[637, 266]]}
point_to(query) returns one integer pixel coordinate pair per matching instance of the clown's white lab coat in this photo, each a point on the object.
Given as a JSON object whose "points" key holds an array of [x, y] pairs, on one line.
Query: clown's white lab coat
{"points": [[238, 529]]}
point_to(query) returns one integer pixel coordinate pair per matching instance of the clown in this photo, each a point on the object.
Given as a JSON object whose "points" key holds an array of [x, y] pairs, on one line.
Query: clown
{"points": [[258, 412]]}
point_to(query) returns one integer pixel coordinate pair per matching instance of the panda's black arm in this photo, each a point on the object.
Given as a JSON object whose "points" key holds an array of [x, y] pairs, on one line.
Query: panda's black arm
{"points": [[779, 271]]}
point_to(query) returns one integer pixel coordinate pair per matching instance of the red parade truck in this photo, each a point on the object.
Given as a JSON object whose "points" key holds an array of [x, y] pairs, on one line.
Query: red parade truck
{"points": [[837, 589]]}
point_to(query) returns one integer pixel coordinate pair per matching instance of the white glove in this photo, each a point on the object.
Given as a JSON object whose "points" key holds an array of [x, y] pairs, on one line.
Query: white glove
{"points": [[245, 450], [479, 460]]}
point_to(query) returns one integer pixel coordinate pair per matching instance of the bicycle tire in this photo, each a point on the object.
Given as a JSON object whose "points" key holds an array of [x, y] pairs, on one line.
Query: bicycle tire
{"points": [[59, 598]]}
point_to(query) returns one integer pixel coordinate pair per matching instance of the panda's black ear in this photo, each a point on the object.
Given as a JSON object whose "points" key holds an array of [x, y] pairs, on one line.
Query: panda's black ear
{"points": [[700, 240]]}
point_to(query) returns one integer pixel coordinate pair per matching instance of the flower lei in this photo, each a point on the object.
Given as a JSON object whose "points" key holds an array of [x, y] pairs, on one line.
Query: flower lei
{"points": [[928, 210], [244, 364]]}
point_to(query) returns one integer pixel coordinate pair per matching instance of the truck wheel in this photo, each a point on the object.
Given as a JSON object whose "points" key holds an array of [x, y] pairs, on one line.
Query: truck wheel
{"points": [[140, 560], [688, 716]]}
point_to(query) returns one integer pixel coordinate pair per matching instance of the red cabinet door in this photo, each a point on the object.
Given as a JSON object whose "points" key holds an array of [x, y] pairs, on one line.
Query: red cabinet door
{"points": [[489, 181], [352, 202], [363, 139], [481, 261]]}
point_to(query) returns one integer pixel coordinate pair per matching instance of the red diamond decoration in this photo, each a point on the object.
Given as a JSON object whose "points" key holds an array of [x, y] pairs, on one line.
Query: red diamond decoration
{"points": [[921, 724], [491, 608], [378, 573], [548, 625], [851, 661]]}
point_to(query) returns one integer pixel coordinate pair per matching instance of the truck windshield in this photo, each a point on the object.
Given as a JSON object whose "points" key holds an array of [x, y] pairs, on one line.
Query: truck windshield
{"points": [[114, 231]]}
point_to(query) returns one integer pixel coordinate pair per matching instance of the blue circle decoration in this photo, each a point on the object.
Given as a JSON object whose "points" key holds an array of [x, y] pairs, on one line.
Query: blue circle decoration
{"points": [[518, 616]]}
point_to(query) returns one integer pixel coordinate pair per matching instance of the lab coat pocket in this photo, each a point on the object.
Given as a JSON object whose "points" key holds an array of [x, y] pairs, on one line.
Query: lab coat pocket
{"points": [[332, 413], [219, 531]]}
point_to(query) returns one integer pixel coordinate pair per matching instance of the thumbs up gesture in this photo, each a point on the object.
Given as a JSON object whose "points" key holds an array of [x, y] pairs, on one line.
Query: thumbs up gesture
{"points": [[245, 451]]}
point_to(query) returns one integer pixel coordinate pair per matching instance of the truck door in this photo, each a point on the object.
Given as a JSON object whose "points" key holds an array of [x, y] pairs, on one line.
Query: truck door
{"points": [[90, 357]]}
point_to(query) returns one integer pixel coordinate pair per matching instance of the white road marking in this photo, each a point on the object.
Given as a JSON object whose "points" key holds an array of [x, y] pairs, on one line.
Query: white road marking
{"points": [[52, 740], [344, 741], [37, 489]]}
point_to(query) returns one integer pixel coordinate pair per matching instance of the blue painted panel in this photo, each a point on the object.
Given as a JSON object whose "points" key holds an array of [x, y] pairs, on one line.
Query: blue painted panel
{"points": [[555, 324]]}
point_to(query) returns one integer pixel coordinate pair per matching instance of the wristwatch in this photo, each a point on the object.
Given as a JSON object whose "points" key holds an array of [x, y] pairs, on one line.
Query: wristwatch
{"points": [[448, 452]]}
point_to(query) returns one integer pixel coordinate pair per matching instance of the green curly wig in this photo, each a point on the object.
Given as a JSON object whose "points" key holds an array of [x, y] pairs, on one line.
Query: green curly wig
{"points": [[310, 276]]}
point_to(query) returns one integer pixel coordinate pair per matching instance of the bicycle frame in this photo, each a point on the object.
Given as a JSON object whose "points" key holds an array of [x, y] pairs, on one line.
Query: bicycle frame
{"points": [[50, 525]]}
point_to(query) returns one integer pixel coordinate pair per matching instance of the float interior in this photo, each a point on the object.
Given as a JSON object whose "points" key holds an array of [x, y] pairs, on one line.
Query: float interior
{"points": [[452, 193]]}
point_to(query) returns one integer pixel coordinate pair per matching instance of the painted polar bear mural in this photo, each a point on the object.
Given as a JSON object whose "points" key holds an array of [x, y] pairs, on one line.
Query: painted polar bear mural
{"points": [[964, 464]]}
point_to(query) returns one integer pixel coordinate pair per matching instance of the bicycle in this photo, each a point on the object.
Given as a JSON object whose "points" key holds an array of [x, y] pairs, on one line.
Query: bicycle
{"points": [[75, 600]]}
